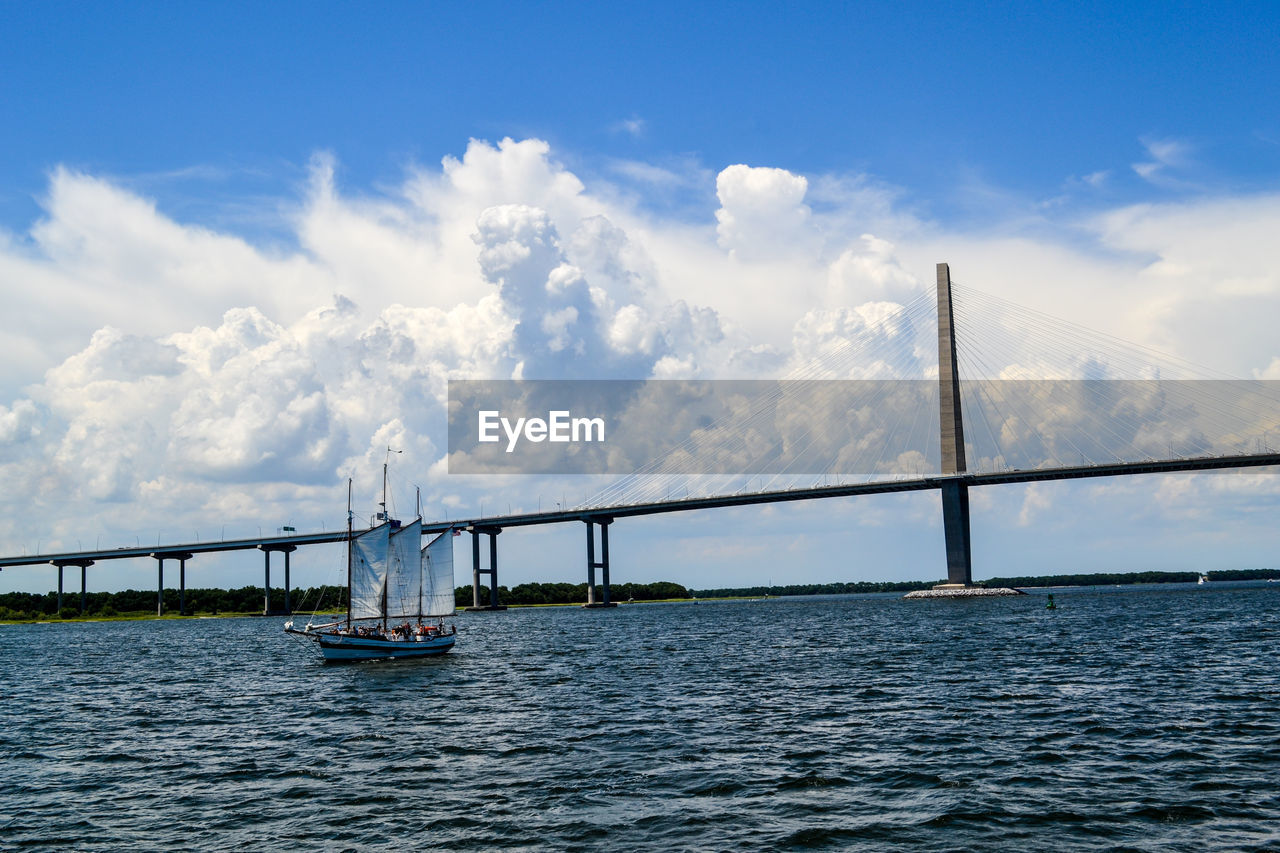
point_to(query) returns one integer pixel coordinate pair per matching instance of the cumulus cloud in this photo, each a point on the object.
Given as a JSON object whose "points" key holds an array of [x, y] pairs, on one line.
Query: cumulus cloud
{"points": [[161, 368], [762, 212]]}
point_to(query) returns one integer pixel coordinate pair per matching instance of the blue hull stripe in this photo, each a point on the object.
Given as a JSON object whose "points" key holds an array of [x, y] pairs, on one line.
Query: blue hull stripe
{"points": [[360, 648]]}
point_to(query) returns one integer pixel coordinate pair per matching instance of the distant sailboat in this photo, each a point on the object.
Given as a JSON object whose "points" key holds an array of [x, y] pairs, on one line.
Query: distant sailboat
{"points": [[1203, 579], [391, 577]]}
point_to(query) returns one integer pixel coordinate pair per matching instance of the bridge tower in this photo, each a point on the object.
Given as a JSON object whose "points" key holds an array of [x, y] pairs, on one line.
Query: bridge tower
{"points": [[955, 492]]}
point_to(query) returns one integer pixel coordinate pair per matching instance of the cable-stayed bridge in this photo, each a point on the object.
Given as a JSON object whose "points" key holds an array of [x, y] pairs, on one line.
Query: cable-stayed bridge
{"points": [[1043, 400]]}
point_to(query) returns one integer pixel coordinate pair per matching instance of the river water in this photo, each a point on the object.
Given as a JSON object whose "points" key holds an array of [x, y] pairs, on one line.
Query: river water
{"points": [[1128, 718]]}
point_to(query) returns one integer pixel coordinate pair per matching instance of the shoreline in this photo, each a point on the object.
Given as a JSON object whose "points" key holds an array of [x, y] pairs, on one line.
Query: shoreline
{"points": [[143, 617]]}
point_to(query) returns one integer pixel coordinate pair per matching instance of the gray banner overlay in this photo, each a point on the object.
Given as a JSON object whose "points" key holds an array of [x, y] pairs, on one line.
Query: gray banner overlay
{"points": [[845, 427]]}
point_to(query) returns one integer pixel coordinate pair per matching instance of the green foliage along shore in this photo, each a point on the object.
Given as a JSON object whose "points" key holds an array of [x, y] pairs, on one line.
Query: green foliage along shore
{"points": [[814, 589], [26, 606], [1124, 578]]}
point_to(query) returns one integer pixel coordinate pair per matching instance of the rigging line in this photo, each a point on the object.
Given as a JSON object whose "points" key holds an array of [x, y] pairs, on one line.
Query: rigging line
{"points": [[1001, 344], [874, 469], [1048, 418], [883, 391], [986, 400], [979, 391], [980, 387], [922, 406], [1211, 395], [885, 388], [1111, 359], [1109, 424], [1135, 425], [824, 402], [1057, 345], [1094, 332], [1030, 423], [999, 348], [828, 395]]}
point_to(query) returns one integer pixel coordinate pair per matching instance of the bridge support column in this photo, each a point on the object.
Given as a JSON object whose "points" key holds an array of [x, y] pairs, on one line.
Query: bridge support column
{"points": [[492, 571], [602, 564], [955, 525], [475, 570], [266, 581], [493, 568], [181, 557], [955, 493], [83, 564]]}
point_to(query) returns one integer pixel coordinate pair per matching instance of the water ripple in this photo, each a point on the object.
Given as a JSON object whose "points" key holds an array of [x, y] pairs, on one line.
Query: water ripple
{"points": [[1139, 719]]}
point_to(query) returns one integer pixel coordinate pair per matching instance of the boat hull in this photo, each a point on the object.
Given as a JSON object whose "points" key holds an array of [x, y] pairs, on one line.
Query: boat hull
{"points": [[340, 647]]}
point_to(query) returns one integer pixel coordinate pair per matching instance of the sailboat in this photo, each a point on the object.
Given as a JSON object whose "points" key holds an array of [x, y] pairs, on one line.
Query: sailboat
{"points": [[391, 577]]}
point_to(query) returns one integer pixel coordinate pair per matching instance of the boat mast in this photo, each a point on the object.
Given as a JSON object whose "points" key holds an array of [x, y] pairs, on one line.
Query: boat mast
{"points": [[385, 520], [418, 549], [349, 543], [384, 490]]}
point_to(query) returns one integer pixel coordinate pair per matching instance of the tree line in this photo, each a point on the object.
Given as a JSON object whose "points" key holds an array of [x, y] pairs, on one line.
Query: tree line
{"points": [[1124, 578], [26, 606], [814, 589], [20, 606]]}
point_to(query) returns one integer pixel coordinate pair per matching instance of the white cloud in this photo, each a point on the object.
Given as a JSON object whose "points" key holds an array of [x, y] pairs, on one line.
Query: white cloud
{"points": [[634, 126], [1271, 371], [1035, 500], [1165, 156], [165, 372], [762, 212]]}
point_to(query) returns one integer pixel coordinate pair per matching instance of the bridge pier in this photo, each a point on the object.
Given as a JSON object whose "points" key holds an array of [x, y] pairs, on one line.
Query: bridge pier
{"points": [[159, 584], [266, 580], [955, 525], [181, 557], [955, 493], [602, 564], [492, 571], [83, 564]]}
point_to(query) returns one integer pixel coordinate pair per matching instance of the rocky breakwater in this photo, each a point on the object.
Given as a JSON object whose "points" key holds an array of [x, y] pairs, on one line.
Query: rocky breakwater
{"points": [[962, 592]]}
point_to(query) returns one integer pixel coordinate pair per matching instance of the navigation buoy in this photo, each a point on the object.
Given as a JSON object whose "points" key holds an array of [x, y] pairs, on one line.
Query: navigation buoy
{"points": [[1051, 605]]}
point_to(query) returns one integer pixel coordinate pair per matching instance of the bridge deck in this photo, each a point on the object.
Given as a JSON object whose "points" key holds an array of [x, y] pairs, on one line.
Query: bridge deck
{"points": [[1206, 463]]}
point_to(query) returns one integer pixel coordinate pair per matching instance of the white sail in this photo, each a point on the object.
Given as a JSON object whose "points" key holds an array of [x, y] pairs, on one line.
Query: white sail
{"points": [[437, 571], [404, 572], [369, 572]]}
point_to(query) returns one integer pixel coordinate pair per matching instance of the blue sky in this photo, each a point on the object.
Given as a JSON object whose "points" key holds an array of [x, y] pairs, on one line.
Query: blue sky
{"points": [[208, 212], [922, 95]]}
